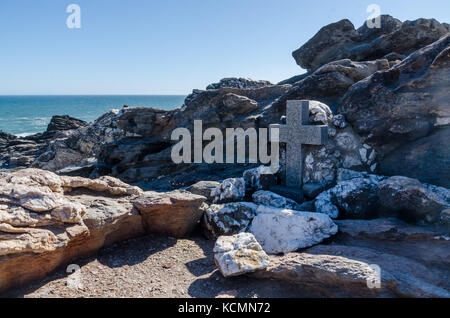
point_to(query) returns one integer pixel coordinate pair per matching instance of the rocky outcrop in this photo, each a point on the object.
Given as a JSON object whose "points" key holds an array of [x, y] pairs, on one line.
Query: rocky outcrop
{"points": [[341, 40], [394, 109], [344, 271], [329, 83], [58, 123], [239, 254], [413, 200], [284, 231], [241, 83], [424, 159], [22, 152], [47, 220], [74, 147]]}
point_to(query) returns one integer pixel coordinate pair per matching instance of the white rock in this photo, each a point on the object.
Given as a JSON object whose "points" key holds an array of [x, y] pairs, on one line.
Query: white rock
{"points": [[268, 198], [239, 254], [230, 190], [229, 218], [324, 205], [284, 231]]}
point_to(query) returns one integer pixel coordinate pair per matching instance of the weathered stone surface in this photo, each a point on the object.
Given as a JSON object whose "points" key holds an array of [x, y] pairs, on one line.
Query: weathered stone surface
{"points": [[22, 152], [340, 40], [387, 229], [312, 190], [355, 199], [242, 83], [259, 178], [58, 123], [404, 110], [47, 221], [239, 105], [239, 254], [204, 188], [330, 82], [345, 271], [425, 159], [268, 198], [284, 231], [330, 274], [413, 200], [229, 218], [71, 147], [173, 213], [230, 190]]}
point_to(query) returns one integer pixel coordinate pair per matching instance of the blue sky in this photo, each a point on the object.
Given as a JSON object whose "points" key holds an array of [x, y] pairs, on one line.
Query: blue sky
{"points": [[170, 46]]}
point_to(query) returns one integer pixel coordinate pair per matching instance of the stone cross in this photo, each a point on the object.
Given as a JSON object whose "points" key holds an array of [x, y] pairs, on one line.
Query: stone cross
{"points": [[296, 133]]}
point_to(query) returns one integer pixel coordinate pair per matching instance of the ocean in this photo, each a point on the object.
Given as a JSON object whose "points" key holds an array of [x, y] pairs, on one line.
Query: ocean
{"points": [[26, 115]]}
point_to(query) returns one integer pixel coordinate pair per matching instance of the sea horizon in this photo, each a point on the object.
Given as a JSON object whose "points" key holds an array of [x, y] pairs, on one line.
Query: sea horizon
{"points": [[24, 115]]}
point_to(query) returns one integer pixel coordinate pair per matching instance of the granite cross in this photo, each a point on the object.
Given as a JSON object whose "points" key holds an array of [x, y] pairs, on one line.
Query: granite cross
{"points": [[296, 133]]}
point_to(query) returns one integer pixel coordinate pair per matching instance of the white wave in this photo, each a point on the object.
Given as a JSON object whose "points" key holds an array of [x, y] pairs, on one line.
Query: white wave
{"points": [[24, 134]]}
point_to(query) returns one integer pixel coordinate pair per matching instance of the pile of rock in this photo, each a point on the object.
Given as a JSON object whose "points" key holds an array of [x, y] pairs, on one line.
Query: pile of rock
{"points": [[364, 257]]}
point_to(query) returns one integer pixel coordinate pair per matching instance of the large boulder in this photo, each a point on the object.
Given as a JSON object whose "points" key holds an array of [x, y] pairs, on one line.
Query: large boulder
{"points": [[341, 40], [230, 190], [242, 83], [354, 199], [332, 275], [346, 271], [47, 221], [268, 198], [72, 147], [329, 83], [413, 200], [173, 213], [229, 219], [239, 254], [405, 109], [65, 122], [284, 231], [425, 159], [204, 188]]}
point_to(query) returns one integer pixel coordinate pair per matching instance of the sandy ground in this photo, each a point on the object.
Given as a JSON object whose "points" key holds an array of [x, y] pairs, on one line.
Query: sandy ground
{"points": [[156, 267]]}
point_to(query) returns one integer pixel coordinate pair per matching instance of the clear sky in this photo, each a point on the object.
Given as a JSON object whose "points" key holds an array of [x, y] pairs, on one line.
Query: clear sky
{"points": [[167, 46]]}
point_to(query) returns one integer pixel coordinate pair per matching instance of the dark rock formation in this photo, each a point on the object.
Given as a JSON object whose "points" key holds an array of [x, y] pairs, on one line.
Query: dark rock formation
{"points": [[395, 107], [340, 40]]}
